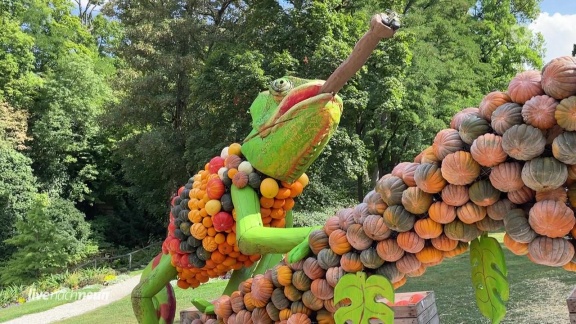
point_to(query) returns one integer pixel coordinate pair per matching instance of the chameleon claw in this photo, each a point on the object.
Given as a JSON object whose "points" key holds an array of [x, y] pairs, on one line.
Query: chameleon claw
{"points": [[301, 250], [203, 306]]}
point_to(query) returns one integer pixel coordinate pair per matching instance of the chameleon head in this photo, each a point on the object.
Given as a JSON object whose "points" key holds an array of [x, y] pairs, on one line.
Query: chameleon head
{"points": [[291, 124]]}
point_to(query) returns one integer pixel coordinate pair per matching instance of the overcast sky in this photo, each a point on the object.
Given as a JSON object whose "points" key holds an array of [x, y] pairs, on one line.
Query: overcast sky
{"points": [[557, 23]]}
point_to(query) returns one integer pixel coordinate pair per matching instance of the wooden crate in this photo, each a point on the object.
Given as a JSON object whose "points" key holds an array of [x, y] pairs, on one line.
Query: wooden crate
{"points": [[423, 312], [571, 302]]}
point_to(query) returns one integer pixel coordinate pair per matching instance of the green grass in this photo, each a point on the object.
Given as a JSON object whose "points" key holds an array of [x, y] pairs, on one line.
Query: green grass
{"points": [[121, 311], [537, 294], [41, 305]]}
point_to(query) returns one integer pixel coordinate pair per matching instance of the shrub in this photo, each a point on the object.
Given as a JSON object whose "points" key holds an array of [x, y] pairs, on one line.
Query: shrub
{"points": [[52, 237]]}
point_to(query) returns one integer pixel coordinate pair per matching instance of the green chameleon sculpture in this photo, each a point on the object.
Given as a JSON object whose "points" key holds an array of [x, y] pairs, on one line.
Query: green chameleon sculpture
{"points": [[292, 122]]}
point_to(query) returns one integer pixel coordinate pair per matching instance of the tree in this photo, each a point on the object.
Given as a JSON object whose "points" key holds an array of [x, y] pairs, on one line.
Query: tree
{"points": [[53, 236]]}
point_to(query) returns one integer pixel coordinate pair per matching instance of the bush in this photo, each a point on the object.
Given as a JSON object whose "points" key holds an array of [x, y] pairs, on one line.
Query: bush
{"points": [[53, 236]]}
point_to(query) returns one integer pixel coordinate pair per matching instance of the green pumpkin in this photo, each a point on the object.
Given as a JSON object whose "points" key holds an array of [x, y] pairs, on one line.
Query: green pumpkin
{"points": [[517, 226], [460, 231], [523, 142], [564, 148], [472, 127], [327, 259], [544, 174], [506, 116]]}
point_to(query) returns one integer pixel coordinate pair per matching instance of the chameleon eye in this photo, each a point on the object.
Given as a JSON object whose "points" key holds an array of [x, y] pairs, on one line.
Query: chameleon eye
{"points": [[281, 86]]}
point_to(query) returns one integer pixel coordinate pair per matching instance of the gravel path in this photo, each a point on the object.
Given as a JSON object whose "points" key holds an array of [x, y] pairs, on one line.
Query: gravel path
{"points": [[105, 296]]}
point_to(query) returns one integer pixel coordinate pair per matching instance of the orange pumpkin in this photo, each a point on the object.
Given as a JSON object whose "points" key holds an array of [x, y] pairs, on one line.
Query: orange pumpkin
{"points": [[523, 195], [470, 213], [357, 237], [312, 268], [460, 248], [298, 318], [375, 228], [429, 254], [551, 218], [410, 242], [441, 212], [515, 246], [375, 203], [492, 101], [338, 242], [427, 228], [332, 224], [428, 178], [312, 302], [408, 263], [317, 240], [454, 195], [460, 168], [408, 174], [389, 250], [487, 150], [350, 262], [444, 243], [321, 289]]}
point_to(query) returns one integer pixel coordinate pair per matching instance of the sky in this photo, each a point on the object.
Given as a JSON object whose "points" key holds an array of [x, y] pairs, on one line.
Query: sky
{"points": [[557, 23]]}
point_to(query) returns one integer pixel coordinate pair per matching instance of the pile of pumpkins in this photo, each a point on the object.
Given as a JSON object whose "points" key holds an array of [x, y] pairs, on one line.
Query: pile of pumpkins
{"points": [[202, 231], [509, 163]]}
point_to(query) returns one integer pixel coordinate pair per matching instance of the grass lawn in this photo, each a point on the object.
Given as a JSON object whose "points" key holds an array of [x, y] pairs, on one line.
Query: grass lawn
{"points": [[121, 311], [537, 294], [41, 305]]}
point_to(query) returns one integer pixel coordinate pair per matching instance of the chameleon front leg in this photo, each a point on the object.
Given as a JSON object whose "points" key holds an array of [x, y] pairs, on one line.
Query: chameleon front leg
{"points": [[253, 238], [150, 285], [266, 262]]}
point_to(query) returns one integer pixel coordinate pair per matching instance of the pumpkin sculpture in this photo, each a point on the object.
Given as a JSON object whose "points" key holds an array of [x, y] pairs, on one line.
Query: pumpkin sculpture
{"points": [[497, 166]]}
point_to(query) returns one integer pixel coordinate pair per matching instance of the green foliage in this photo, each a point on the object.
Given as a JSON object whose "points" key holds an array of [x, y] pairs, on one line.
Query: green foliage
{"points": [[489, 277], [53, 236], [362, 293], [17, 189], [309, 218]]}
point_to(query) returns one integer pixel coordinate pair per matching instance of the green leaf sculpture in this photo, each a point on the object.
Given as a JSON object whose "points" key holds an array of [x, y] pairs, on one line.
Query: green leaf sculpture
{"points": [[489, 277], [362, 293]]}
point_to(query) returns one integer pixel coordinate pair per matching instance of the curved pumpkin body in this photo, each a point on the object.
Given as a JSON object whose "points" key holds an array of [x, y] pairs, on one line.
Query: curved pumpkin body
{"points": [[460, 168], [524, 86], [517, 226], [506, 116], [441, 212], [428, 178], [551, 218], [564, 148], [507, 176], [398, 219], [515, 246], [447, 141], [523, 142], [492, 101], [455, 195], [487, 150], [463, 114], [539, 112], [482, 193], [559, 77], [389, 250], [375, 228], [415, 200], [544, 174], [390, 189], [472, 127], [554, 252], [565, 113]]}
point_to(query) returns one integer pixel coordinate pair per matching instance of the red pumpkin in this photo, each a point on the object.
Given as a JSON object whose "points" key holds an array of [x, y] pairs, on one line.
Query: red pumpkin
{"points": [[507, 176], [524, 86], [215, 188], [222, 221], [539, 112], [559, 77], [455, 195]]}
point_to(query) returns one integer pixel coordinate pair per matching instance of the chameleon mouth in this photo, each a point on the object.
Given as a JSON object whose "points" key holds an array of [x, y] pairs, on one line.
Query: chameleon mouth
{"points": [[299, 95]]}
